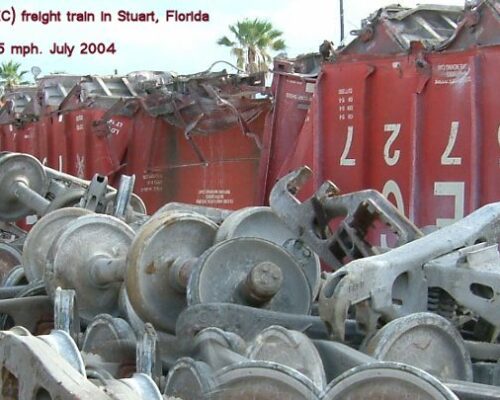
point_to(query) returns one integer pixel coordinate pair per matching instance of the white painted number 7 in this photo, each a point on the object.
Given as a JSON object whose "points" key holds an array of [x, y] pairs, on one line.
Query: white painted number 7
{"points": [[344, 160]]}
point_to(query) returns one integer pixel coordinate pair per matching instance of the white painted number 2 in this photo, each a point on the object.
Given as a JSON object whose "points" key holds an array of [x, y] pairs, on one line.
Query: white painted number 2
{"points": [[344, 160], [394, 158]]}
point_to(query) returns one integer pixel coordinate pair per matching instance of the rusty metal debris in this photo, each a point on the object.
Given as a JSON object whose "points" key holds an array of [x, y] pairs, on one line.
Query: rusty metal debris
{"points": [[435, 27], [101, 301], [154, 125], [430, 24]]}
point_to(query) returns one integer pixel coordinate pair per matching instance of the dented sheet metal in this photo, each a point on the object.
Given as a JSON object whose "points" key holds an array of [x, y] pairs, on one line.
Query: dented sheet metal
{"points": [[392, 29], [417, 125], [292, 89], [195, 138]]}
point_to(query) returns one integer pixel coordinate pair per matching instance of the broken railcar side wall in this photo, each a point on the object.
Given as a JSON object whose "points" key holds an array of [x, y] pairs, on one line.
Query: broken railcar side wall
{"points": [[292, 94], [65, 142], [419, 127], [199, 146], [168, 168]]}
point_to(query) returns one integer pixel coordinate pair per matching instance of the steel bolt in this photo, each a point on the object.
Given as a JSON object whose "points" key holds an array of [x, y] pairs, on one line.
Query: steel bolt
{"points": [[179, 272], [264, 280]]}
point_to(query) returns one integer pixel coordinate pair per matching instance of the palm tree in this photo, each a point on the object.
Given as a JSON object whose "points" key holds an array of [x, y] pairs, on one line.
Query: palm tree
{"points": [[10, 74], [254, 39]]}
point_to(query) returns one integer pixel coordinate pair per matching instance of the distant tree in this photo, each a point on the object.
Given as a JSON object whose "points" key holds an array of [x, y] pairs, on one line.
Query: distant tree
{"points": [[253, 41], [10, 75]]}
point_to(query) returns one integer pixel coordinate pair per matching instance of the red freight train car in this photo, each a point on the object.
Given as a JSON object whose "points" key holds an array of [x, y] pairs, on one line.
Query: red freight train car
{"points": [[409, 108], [195, 139]]}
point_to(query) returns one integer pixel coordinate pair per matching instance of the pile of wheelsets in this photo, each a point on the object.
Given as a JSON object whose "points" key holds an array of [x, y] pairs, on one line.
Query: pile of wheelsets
{"points": [[299, 300]]}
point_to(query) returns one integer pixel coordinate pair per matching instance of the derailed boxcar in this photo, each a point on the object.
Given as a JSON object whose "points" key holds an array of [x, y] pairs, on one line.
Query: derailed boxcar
{"points": [[408, 108], [194, 138]]}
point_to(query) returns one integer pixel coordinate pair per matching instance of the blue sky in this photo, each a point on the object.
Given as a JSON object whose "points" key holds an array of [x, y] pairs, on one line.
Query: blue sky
{"points": [[179, 47]]}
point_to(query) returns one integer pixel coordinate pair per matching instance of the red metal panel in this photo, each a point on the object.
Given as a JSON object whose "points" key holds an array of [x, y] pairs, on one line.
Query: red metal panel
{"points": [[293, 96], [422, 129], [76, 122], [168, 168], [303, 151], [26, 139], [106, 149], [8, 137], [77, 148], [57, 155], [448, 139], [488, 104], [417, 124]]}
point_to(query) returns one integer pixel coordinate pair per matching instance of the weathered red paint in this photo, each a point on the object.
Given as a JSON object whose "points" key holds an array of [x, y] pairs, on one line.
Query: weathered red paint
{"points": [[168, 168], [187, 146], [419, 126], [292, 92], [415, 119]]}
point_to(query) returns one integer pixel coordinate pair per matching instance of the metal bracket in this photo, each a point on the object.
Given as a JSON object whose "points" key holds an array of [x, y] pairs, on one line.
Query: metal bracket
{"points": [[65, 316], [94, 197], [123, 196], [394, 284], [147, 353], [311, 219], [471, 276]]}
